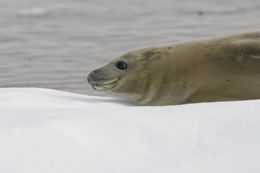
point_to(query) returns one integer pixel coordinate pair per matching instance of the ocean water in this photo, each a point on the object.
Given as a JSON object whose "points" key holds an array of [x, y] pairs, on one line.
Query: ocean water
{"points": [[56, 43]]}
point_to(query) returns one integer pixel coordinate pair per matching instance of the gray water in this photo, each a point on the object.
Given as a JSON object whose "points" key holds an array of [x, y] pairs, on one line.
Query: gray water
{"points": [[55, 43]]}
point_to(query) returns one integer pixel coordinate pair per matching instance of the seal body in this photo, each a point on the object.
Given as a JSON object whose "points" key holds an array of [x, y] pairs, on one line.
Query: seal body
{"points": [[220, 69]]}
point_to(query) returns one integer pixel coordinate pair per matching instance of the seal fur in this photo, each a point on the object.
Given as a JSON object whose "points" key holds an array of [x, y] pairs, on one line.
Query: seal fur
{"points": [[220, 69]]}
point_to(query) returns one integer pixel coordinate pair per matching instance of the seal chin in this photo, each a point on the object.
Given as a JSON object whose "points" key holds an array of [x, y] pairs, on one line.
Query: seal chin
{"points": [[103, 85]]}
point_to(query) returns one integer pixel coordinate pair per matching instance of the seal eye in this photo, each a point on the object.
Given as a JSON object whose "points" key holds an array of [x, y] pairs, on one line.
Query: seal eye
{"points": [[121, 65]]}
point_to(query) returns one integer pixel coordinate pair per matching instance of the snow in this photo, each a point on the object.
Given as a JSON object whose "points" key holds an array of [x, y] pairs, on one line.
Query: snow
{"points": [[43, 130]]}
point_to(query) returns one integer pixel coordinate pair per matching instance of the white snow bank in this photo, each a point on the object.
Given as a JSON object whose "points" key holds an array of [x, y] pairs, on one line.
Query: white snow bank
{"points": [[44, 130]]}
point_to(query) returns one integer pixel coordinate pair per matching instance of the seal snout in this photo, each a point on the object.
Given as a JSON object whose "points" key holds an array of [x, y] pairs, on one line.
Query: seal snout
{"points": [[96, 77], [99, 80]]}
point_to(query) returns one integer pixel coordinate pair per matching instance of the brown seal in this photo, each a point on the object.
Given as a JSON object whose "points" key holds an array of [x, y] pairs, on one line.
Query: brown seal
{"points": [[219, 69]]}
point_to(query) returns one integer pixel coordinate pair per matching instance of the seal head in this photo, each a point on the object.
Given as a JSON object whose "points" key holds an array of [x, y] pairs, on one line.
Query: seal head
{"points": [[128, 76]]}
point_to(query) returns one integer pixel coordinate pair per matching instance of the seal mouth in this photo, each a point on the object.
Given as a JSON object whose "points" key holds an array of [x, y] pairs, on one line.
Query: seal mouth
{"points": [[103, 85]]}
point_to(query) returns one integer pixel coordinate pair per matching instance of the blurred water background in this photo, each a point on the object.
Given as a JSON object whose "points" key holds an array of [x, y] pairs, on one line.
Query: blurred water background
{"points": [[55, 43]]}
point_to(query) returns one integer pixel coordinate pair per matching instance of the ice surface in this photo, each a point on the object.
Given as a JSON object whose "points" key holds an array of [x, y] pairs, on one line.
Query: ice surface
{"points": [[43, 130]]}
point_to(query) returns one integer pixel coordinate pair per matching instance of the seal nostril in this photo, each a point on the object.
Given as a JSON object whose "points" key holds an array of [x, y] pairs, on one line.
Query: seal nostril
{"points": [[92, 77], [89, 79], [96, 71], [96, 76]]}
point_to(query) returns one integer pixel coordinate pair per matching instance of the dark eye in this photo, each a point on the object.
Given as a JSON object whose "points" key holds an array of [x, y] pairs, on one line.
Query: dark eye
{"points": [[121, 65]]}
